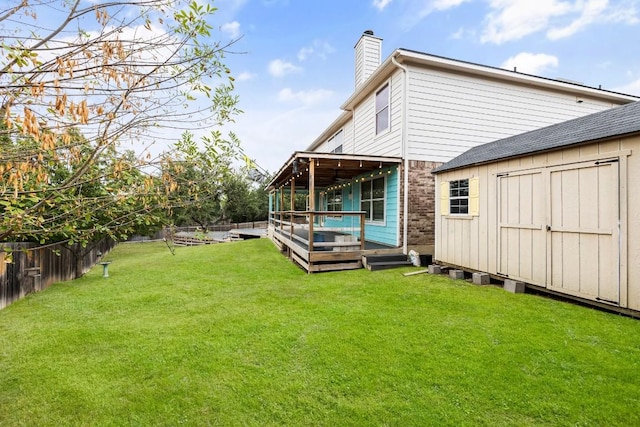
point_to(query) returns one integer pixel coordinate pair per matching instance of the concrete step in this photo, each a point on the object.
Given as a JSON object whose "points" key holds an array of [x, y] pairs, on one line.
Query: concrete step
{"points": [[385, 258], [385, 265]]}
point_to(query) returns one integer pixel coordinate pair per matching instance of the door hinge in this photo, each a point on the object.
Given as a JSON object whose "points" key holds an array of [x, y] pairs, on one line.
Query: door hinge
{"points": [[602, 162]]}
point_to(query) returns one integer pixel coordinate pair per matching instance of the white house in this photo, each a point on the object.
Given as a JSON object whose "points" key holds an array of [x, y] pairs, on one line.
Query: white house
{"points": [[556, 208], [408, 115]]}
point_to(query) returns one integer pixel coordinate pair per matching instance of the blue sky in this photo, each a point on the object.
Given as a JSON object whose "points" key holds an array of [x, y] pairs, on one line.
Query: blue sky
{"points": [[295, 65]]}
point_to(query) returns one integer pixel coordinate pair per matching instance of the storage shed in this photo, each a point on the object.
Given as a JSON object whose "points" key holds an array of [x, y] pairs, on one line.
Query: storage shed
{"points": [[557, 208]]}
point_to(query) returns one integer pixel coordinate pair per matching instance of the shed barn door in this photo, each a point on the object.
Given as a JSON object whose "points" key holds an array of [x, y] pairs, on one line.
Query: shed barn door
{"points": [[583, 230], [522, 243]]}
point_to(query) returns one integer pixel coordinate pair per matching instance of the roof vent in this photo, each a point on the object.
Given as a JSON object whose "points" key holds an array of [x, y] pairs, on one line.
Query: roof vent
{"points": [[369, 32]]}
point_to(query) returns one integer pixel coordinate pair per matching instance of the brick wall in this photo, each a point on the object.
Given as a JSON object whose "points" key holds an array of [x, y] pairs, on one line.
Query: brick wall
{"points": [[421, 224]]}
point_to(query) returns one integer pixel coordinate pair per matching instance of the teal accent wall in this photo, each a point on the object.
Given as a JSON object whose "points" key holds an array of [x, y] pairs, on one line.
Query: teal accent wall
{"points": [[382, 232]]}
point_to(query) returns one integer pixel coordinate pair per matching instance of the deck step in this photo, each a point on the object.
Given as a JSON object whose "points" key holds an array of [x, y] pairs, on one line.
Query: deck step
{"points": [[384, 265]]}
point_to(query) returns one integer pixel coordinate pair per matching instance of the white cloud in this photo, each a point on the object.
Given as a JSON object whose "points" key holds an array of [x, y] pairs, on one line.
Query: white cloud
{"points": [[280, 68], [592, 10], [531, 63], [458, 35], [307, 98], [514, 19], [445, 4], [244, 76], [319, 48], [416, 10], [381, 4], [304, 53], [232, 29], [632, 88], [271, 136]]}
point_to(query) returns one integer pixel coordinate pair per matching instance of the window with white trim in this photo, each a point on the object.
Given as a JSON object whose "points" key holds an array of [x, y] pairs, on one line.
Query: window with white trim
{"points": [[372, 199], [459, 197], [334, 200], [382, 109], [335, 142]]}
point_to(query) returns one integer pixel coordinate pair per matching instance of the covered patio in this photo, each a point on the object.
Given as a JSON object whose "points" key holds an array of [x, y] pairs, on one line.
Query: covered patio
{"points": [[330, 232]]}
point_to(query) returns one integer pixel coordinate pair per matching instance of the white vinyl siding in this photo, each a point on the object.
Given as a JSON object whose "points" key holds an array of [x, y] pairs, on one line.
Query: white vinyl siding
{"points": [[365, 140], [450, 113]]}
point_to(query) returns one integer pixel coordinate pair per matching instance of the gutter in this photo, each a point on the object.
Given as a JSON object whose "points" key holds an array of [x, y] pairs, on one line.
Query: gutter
{"points": [[404, 152]]}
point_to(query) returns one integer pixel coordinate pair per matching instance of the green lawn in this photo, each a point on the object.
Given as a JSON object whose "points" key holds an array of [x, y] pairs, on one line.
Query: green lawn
{"points": [[235, 334]]}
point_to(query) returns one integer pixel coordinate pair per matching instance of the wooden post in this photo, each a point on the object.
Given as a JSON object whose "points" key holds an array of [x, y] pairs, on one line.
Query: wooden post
{"points": [[312, 185], [281, 209], [312, 200], [293, 204], [362, 231]]}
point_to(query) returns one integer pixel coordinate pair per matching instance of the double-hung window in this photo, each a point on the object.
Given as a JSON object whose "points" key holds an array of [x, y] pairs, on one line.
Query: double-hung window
{"points": [[382, 109], [335, 142], [372, 199], [334, 200], [459, 197]]}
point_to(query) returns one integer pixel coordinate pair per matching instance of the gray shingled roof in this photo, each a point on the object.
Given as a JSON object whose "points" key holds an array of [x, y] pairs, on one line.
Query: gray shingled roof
{"points": [[605, 124]]}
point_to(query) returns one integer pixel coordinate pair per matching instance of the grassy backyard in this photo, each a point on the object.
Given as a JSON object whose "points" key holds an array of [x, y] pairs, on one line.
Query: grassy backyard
{"points": [[234, 334]]}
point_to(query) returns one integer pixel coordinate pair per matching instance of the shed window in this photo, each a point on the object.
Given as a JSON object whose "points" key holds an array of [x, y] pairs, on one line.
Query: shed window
{"points": [[459, 197], [382, 109], [372, 199]]}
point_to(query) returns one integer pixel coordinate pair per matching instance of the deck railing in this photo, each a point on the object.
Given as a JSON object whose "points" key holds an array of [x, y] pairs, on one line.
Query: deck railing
{"points": [[314, 232]]}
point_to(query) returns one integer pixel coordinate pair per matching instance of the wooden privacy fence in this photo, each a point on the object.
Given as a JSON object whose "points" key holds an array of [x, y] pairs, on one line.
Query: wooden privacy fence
{"points": [[227, 227], [35, 267]]}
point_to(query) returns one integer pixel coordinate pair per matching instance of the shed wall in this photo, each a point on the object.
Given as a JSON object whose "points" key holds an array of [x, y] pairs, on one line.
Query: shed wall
{"points": [[473, 242]]}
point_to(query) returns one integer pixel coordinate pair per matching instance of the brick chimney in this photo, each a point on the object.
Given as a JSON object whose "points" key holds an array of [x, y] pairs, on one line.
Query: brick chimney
{"points": [[368, 56]]}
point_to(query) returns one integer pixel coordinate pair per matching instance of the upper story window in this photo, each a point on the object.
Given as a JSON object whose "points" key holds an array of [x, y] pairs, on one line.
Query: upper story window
{"points": [[459, 197], [372, 195], [334, 144], [382, 109]]}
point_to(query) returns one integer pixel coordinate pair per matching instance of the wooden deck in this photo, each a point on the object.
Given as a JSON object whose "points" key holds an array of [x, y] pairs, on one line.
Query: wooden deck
{"points": [[317, 248]]}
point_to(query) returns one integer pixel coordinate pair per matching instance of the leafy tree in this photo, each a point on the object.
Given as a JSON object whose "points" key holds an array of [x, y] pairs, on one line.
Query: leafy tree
{"points": [[244, 200], [200, 173], [85, 91]]}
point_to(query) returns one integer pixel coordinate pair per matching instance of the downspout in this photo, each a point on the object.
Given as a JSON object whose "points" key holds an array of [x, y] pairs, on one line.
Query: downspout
{"points": [[405, 222]]}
